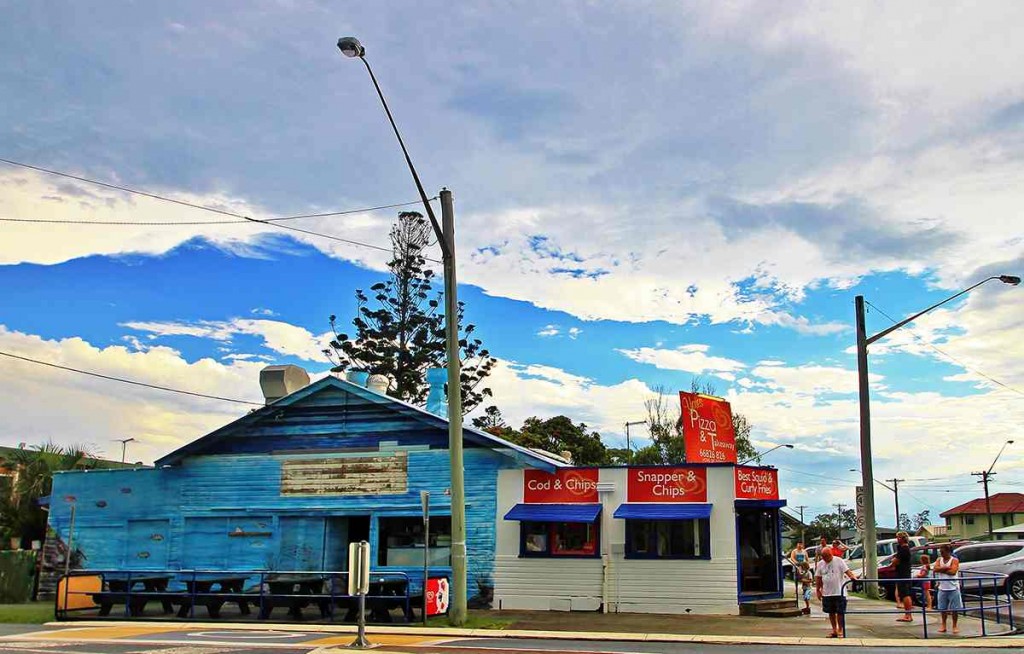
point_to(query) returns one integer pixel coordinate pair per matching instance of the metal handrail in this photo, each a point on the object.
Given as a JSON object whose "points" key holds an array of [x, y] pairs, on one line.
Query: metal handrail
{"points": [[188, 579], [997, 580]]}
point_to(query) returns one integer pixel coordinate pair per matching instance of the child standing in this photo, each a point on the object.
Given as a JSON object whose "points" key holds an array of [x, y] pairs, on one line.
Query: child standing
{"points": [[806, 581], [925, 572]]}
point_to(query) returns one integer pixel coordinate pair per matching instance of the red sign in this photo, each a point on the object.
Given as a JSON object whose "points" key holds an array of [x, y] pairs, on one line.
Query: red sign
{"points": [[707, 429], [566, 486], [757, 483], [437, 595], [675, 484]]}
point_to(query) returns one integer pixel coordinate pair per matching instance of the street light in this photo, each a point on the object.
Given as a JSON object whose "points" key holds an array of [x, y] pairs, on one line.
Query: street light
{"points": [[124, 445], [629, 448], [867, 476], [985, 475], [762, 454], [351, 47]]}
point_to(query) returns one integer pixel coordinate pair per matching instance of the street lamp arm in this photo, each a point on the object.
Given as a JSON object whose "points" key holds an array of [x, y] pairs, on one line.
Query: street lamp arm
{"points": [[997, 457], [441, 239], [886, 332], [759, 456]]}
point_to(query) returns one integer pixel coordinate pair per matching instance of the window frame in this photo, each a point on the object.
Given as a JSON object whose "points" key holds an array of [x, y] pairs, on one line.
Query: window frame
{"points": [[550, 525], [380, 557], [703, 539]]}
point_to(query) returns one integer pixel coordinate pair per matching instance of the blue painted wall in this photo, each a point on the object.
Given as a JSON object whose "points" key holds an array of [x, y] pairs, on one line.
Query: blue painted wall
{"points": [[221, 507]]}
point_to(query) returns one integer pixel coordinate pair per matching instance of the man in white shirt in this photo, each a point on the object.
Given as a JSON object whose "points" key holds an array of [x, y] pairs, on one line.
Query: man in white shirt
{"points": [[947, 570], [828, 578]]}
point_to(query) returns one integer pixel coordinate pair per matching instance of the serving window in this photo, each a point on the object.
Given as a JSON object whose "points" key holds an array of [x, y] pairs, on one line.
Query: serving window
{"points": [[555, 539], [401, 541], [668, 539]]}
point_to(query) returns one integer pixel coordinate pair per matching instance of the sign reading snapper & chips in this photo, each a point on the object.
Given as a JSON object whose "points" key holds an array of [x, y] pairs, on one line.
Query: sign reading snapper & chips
{"points": [[667, 484], [707, 429]]}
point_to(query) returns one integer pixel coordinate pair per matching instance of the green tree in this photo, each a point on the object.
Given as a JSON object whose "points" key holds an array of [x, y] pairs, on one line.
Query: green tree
{"points": [[665, 425], [401, 333], [560, 434], [492, 422], [20, 513]]}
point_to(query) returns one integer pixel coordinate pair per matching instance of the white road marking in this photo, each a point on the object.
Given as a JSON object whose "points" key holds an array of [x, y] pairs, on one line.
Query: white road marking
{"points": [[249, 635]]}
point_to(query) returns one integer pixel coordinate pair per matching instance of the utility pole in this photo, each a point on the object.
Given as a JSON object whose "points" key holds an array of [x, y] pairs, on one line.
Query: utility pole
{"points": [[839, 518], [801, 510], [451, 326], [985, 476], [896, 492], [870, 537]]}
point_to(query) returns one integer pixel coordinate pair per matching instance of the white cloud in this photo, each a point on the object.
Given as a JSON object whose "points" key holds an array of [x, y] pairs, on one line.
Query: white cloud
{"points": [[549, 330], [574, 332], [692, 358], [94, 411], [281, 337]]}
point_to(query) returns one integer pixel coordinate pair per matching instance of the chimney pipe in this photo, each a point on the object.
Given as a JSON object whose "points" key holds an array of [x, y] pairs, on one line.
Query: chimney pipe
{"points": [[437, 400]]}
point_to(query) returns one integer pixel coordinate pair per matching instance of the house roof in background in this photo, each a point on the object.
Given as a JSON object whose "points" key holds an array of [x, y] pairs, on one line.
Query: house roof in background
{"points": [[1000, 502]]}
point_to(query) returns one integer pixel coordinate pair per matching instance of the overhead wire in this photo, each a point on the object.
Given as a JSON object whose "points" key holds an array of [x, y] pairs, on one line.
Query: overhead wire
{"points": [[272, 222], [126, 381], [947, 355]]}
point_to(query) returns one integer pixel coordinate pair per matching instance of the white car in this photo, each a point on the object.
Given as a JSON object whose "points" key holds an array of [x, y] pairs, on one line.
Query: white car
{"points": [[1001, 556]]}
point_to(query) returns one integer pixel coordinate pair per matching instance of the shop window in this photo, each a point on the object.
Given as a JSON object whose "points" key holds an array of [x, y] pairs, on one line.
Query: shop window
{"points": [[558, 538], [401, 541], [668, 539]]}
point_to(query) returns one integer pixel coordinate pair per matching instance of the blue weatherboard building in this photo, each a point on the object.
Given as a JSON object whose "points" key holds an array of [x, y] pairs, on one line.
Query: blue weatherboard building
{"points": [[288, 486]]}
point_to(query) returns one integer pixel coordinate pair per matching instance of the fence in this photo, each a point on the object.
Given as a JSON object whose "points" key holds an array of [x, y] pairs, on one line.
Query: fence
{"points": [[973, 587], [101, 590]]}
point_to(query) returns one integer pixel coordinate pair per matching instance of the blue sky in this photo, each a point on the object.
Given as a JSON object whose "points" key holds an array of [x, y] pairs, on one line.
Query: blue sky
{"points": [[644, 193]]}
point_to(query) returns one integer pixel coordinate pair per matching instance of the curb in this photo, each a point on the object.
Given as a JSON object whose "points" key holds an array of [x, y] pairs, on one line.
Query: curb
{"points": [[990, 642]]}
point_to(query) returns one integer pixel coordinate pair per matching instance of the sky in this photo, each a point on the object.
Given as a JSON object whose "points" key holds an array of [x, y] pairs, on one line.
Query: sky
{"points": [[644, 192]]}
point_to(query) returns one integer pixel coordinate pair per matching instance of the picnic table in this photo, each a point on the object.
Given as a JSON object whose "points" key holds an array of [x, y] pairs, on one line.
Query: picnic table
{"points": [[227, 584], [136, 587], [291, 589], [384, 594]]}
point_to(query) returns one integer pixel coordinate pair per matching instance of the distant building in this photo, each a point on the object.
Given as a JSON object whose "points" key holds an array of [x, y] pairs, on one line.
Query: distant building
{"points": [[934, 533], [1014, 532], [969, 520]]}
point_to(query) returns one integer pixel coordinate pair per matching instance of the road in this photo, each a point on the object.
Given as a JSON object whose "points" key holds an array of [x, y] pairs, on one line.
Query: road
{"points": [[166, 639]]}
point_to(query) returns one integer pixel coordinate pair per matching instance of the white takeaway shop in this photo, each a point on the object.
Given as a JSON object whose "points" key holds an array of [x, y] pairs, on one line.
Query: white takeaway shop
{"points": [[702, 537]]}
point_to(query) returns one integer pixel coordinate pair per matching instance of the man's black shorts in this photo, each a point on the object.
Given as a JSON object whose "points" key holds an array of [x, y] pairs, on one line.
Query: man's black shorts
{"points": [[903, 588], [833, 604]]}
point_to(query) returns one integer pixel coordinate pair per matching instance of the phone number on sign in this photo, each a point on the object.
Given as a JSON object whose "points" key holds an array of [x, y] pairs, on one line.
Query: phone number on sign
{"points": [[714, 455]]}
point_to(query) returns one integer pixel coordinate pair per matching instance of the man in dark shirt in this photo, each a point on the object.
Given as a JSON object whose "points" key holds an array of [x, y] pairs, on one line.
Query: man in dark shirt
{"points": [[903, 572]]}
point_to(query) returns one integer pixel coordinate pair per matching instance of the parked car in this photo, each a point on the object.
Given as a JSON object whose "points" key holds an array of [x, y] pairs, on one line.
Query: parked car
{"points": [[887, 570], [1001, 556]]}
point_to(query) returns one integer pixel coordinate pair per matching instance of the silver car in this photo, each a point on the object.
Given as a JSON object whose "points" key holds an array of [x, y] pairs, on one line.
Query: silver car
{"points": [[1001, 556]]}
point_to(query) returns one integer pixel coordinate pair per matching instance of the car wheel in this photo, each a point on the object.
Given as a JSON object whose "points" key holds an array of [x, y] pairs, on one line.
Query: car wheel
{"points": [[1015, 586]]}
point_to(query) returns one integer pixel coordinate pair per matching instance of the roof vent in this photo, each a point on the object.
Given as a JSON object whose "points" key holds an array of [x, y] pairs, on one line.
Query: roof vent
{"points": [[378, 384], [279, 381]]}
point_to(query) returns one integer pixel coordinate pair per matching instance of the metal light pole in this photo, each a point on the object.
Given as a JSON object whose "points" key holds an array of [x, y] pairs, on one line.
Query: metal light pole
{"points": [[766, 452], [351, 47], [629, 449], [867, 476], [985, 475], [124, 445]]}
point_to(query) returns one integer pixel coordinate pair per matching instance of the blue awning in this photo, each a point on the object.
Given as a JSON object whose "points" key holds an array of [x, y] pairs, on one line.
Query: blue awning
{"points": [[554, 512], [760, 504], [663, 511]]}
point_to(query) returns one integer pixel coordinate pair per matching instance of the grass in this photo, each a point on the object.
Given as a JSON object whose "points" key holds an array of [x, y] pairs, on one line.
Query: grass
{"points": [[30, 613]]}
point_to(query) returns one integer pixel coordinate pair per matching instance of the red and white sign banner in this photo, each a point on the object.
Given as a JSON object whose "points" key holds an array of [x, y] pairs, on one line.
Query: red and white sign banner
{"points": [[437, 595], [665, 484], [707, 429], [757, 483], [565, 486]]}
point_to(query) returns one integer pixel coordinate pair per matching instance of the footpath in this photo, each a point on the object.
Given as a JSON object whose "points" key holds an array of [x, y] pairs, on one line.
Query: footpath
{"points": [[518, 627]]}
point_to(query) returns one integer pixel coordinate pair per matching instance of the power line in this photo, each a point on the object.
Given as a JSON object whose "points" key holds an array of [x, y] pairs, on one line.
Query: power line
{"points": [[947, 355], [126, 381], [272, 222]]}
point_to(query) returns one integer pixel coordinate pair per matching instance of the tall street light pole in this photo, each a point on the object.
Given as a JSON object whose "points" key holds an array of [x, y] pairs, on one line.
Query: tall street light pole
{"points": [[985, 476], [867, 474], [351, 47], [124, 446], [629, 448], [762, 454]]}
